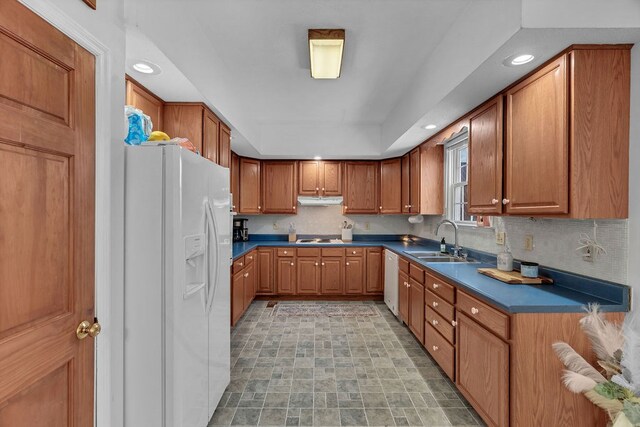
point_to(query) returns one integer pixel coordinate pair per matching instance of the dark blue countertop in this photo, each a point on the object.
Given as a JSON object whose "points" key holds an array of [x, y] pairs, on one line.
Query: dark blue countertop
{"points": [[569, 293]]}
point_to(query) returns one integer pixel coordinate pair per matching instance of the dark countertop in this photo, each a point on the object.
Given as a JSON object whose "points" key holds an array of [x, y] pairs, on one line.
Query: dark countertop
{"points": [[569, 293]]}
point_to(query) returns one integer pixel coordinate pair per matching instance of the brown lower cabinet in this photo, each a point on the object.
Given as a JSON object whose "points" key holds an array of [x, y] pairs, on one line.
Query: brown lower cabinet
{"points": [[354, 275], [243, 285], [403, 296], [286, 275], [265, 271], [332, 275], [308, 275], [416, 309], [375, 266]]}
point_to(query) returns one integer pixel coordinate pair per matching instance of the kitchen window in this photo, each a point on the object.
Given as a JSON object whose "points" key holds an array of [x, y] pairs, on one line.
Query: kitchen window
{"points": [[457, 188]]}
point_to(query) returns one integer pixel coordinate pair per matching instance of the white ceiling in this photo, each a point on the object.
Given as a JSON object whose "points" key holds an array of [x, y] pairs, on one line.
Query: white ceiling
{"points": [[406, 63]]}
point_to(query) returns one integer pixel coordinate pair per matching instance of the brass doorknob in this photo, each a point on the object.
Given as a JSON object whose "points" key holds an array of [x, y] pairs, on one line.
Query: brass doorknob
{"points": [[85, 328]]}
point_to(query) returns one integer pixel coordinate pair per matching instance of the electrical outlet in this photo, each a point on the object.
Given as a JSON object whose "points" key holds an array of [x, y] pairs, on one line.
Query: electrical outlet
{"points": [[500, 237], [588, 254], [528, 242], [367, 226], [276, 226]]}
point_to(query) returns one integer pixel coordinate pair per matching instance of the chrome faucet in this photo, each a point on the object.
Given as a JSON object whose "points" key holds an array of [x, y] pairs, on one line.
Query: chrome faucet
{"points": [[456, 247]]}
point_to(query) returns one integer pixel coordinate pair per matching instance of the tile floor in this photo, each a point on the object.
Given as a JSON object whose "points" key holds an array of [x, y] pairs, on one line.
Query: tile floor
{"points": [[335, 371]]}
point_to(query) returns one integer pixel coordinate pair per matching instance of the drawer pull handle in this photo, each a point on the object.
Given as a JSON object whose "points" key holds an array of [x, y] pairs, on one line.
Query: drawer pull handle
{"points": [[434, 322], [436, 286], [454, 323], [474, 310], [435, 348], [435, 303]]}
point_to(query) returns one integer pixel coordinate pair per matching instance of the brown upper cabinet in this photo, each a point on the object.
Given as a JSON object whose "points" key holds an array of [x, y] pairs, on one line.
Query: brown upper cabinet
{"points": [[235, 181], [210, 136], [414, 181], [485, 158], [279, 187], [141, 98], [431, 179], [249, 192], [405, 183], [224, 146], [361, 188], [320, 178], [567, 136], [390, 186]]}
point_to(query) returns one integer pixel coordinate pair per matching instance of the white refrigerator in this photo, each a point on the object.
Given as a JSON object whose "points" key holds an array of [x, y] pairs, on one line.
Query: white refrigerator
{"points": [[177, 287]]}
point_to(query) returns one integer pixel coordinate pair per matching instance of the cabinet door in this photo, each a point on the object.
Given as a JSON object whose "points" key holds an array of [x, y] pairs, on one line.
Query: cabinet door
{"points": [[485, 158], [224, 146], [330, 178], [308, 276], [309, 178], [416, 309], [354, 276], [405, 186], [361, 188], [266, 283], [235, 181], [237, 297], [286, 276], [250, 186], [185, 121], [403, 296], [332, 280], [279, 187], [432, 179], [414, 187], [210, 136], [483, 370], [374, 271], [537, 143], [391, 186], [249, 285], [142, 99]]}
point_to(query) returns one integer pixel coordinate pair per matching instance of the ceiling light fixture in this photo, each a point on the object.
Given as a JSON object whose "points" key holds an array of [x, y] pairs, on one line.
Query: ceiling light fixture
{"points": [[429, 127], [326, 48], [520, 59], [146, 67], [317, 158]]}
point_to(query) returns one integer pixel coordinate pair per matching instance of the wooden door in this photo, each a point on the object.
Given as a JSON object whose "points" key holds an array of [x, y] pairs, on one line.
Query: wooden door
{"points": [[286, 276], [235, 181], [416, 309], [361, 188], [405, 183], [47, 153], [332, 276], [308, 276], [375, 262], [391, 186], [224, 146], [432, 198], [210, 136], [141, 98], [483, 370], [403, 296], [266, 276], [485, 158], [537, 143], [237, 297], [249, 194], [279, 186], [330, 178], [309, 178], [414, 181], [354, 276], [184, 121]]}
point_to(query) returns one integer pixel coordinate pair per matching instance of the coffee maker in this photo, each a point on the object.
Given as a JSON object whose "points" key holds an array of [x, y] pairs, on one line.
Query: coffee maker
{"points": [[240, 230]]}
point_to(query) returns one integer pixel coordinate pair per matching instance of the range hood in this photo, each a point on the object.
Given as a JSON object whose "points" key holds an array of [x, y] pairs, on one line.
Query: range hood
{"points": [[319, 201]]}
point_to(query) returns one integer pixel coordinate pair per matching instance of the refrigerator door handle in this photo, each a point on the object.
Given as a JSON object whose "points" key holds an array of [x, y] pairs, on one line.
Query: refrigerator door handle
{"points": [[211, 284]]}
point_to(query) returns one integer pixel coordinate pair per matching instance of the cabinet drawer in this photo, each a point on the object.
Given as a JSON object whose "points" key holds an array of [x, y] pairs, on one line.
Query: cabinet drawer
{"points": [[355, 251], [440, 350], [332, 251], [442, 325], [310, 252], [403, 265], [443, 308], [285, 252], [416, 273], [249, 258], [489, 317], [441, 288], [238, 264]]}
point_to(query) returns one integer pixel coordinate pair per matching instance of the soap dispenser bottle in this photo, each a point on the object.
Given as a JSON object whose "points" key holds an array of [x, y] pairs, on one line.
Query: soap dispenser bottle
{"points": [[443, 246]]}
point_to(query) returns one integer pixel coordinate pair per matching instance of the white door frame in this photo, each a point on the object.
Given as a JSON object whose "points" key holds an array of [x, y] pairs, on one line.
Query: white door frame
{"points": [[102, 366]]}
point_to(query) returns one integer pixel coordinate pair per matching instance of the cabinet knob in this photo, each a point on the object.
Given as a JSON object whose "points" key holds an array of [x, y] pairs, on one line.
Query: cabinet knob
{"points": [[408, 285], [435, 303], [259, 208], [323, 263], [250, 257], [246, 274], [353, 252], [322, 188], [474, 310], [316, 264], [505, 201], [233, 206], [434, 322], [285, 252], [291, 264], [380, 207], [410, 206], [435, 348], [454, 323], [347, 263], [494, 201], [436, 286], [241, 264], [317, 189]]}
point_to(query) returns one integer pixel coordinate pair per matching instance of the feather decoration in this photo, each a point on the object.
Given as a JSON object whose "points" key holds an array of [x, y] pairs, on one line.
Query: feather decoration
{"points": [[606, 337], [612, 406], [611, 369], [577, 383], [576, 363], [631, 354]]}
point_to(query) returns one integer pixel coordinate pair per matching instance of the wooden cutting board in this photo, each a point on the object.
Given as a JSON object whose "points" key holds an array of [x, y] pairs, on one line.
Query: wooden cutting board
{"points": [[514, 277]]}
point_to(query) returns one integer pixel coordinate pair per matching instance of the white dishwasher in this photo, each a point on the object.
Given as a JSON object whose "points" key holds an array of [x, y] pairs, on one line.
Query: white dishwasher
{"points": [[391, 281]]}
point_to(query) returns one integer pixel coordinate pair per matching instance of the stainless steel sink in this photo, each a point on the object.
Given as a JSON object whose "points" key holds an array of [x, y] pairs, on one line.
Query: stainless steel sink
{"points": [[430, 254], [433, 256]]}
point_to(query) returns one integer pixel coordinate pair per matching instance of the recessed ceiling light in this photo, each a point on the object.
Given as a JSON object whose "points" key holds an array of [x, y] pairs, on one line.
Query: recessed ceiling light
{"points": [[325, 53], [146, 67], [317, 158], [519, 59], [429, 127]]}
